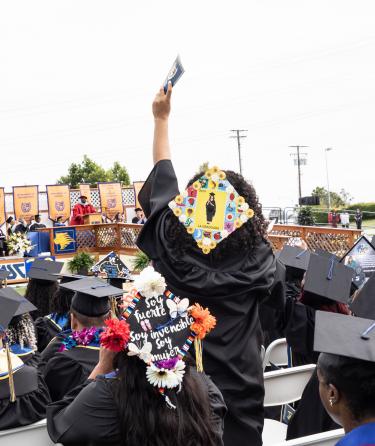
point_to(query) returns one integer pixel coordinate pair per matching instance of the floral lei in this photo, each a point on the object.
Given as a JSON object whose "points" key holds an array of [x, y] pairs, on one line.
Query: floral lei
{"points": [[85, 337]]}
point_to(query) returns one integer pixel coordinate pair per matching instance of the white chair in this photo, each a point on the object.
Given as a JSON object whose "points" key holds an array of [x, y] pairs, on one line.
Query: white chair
{"points": [[329, 438], [33, 435], [277, 354], [281, 387]]}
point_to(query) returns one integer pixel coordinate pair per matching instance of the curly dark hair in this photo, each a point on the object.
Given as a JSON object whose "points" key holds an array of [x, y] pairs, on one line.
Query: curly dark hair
{"points": [[39, 293], [354, 378], [243, 240], [21, 331], [61, 301]]}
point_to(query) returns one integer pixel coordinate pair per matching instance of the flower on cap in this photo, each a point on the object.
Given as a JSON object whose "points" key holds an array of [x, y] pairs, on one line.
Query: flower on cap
{"points": [[224, 233], [179, 199], [116, 335], [206, 241], [172, 204], [244, 218], [164, 377], [203, 323], [150, 283], [183, 218]]}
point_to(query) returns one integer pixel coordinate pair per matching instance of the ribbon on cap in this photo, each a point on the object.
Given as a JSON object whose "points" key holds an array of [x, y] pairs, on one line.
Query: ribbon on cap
{"points": [[298, 256], [331, 268], [364, 335]]}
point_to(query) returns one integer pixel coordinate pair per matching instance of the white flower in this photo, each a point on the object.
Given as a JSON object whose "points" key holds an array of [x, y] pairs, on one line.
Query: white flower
{"points": [[243, 218], [150, 283], [215, 177], [230, 189], [184, 193], [224, 233], [165, 378], [183, 218], [172, 204], [244, 207], [206, 241]]}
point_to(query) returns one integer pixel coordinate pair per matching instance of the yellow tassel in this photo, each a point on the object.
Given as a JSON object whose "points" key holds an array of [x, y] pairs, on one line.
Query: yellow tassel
{"points": [[198, 354], [10, 372]]}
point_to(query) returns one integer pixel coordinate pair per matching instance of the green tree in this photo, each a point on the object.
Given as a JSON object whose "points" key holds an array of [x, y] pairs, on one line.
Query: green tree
{"points": [[88, 171], [305, 216], [337, 200]]}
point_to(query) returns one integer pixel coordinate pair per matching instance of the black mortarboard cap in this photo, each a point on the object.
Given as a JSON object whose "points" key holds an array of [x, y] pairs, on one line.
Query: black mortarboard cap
{"points": [[66, 278], [45, 270], [25, 305], [325, 278], [118, 281], [91, 296], [295, 259], [8, 309], [4, 274], [344, 335], [364, 303], [373, 241], [328, 255]]}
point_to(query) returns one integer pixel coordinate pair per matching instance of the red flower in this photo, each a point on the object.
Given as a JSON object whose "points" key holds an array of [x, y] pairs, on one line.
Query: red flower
{"points": [[116, 335], [203, 323]]}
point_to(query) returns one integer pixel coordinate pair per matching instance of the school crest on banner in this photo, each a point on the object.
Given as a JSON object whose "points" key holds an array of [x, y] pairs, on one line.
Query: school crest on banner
{"points": [[58, 199], [64, 240], [111, 198], [26, 202]]}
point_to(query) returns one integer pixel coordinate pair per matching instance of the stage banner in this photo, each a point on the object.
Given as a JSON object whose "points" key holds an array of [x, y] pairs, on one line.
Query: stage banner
{"points": [[26, 202], [84, 189], [65, 240], [137, 187], [58, 199], [2, 206], [111, 198]]}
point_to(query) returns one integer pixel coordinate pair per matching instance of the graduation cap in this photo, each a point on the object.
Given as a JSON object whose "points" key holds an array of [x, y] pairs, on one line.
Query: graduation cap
{"points": [[66, 278], [327, 254], [112, 267], [373, 241], [296, 260], [361, 258], [4, 274], [25, 306], [327, 279], [45, 270], [364, 304], [91, 296], [344, 335]]}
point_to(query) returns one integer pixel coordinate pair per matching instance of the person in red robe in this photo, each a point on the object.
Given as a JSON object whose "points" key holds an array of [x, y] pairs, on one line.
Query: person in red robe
{"points": [[80, 209]]}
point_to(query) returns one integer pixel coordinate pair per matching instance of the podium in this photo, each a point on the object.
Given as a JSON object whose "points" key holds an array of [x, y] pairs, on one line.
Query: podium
{"points": [[92, 219]]}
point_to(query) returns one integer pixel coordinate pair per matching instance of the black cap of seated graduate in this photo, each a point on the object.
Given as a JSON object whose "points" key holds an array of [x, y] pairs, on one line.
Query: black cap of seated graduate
{"points": [[344, 335], [66, 278], [46, 270], [326, 254], [295, 259], [327, 279], [364, 303], [25, 306], [91, 296]]}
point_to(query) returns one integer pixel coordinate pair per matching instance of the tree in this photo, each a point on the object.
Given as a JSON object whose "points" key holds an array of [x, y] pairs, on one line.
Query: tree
{"points": [[337, 200], [89, 172], [305, 216]]}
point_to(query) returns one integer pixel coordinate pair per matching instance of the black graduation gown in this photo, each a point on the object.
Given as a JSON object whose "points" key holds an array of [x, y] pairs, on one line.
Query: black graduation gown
{"points": [[92, 405], [68, 369], [47, 328], [231, 289], [32, 399]]}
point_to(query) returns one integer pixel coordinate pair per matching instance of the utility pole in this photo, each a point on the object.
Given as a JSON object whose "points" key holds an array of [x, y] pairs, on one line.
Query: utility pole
{"points": [[297, 157], [328, 149], [239, 136]]}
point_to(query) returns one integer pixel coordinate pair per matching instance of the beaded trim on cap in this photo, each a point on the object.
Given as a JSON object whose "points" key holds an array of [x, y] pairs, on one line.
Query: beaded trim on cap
{"points": [[211, 209]]}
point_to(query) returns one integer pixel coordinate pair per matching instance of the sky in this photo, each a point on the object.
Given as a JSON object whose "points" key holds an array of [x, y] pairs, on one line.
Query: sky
{"points": [[78, 77]]}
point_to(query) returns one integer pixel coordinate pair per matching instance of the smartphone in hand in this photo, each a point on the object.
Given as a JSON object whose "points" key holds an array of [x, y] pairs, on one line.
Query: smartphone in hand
{"points": [[174, 74]]}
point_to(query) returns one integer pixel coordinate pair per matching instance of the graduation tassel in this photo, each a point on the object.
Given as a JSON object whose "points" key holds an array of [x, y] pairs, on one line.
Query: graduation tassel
{"points": [[198, 354], [10, 374]]}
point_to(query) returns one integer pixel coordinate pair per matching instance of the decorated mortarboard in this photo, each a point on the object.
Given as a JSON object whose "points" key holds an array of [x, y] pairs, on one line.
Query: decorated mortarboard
{"points": [[326, 278], [47, 270], [25, 306], [295, 258], [112, 267], [159, 328], [344, 335], [91, 296], [211, 209], [361, 258], [364, 304], [4, 273]]}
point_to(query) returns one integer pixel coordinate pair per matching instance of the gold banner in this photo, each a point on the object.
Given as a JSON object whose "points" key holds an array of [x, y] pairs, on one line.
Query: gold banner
{"points": [[58, 198], [26, 202], [111, 198], [2, 206], [84, 189], [137, 187]]}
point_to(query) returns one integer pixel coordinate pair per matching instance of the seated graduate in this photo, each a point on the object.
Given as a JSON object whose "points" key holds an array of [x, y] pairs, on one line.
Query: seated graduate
{"points": [[346, 372], [43, 276], [21, 331], [37, 223], [229, 270], [145, 390], [58, 320], [23, 393], [327, 286], [71, 356]]}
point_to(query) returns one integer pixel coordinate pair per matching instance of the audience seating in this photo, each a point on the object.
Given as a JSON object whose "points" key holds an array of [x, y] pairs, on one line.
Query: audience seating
{"points": [[329, 438], [276, 354], [33, 435]]}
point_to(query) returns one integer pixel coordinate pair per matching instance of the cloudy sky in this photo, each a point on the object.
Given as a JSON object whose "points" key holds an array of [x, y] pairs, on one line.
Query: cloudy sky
{"points": [[78, 77]]}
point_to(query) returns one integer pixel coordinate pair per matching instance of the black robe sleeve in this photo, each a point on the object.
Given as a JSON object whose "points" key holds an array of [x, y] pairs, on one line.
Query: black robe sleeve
{"points": [[63, 374], [87, 415], [45, 332], [32, 399]]}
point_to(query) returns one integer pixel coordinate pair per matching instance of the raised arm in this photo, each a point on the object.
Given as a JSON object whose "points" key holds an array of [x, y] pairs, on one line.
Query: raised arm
{"points": [[161, 108]]}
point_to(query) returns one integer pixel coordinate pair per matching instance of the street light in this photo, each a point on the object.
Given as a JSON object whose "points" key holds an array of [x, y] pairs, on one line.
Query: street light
{"points": [[328, 149]]}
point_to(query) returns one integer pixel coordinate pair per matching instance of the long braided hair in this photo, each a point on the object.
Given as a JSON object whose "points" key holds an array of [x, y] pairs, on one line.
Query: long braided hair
{"points": [[21, 331]]}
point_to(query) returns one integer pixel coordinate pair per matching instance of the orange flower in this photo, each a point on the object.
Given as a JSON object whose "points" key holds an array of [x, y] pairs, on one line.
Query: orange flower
{"points": [[203, 323]]}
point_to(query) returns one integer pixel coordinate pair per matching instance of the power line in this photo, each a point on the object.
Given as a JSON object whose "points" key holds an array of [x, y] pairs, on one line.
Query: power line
{"points": [[297, 157], [238, 136]]}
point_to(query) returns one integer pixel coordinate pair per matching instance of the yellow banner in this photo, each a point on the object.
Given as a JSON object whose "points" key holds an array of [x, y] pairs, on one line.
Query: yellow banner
{"points": [[84, 189], [137, 187], [2, 206], [58, 197], [26, 202], [111, 198]]}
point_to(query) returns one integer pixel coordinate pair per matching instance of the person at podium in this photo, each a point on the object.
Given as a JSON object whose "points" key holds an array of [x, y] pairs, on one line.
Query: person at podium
{"points": [[80, 209]]}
